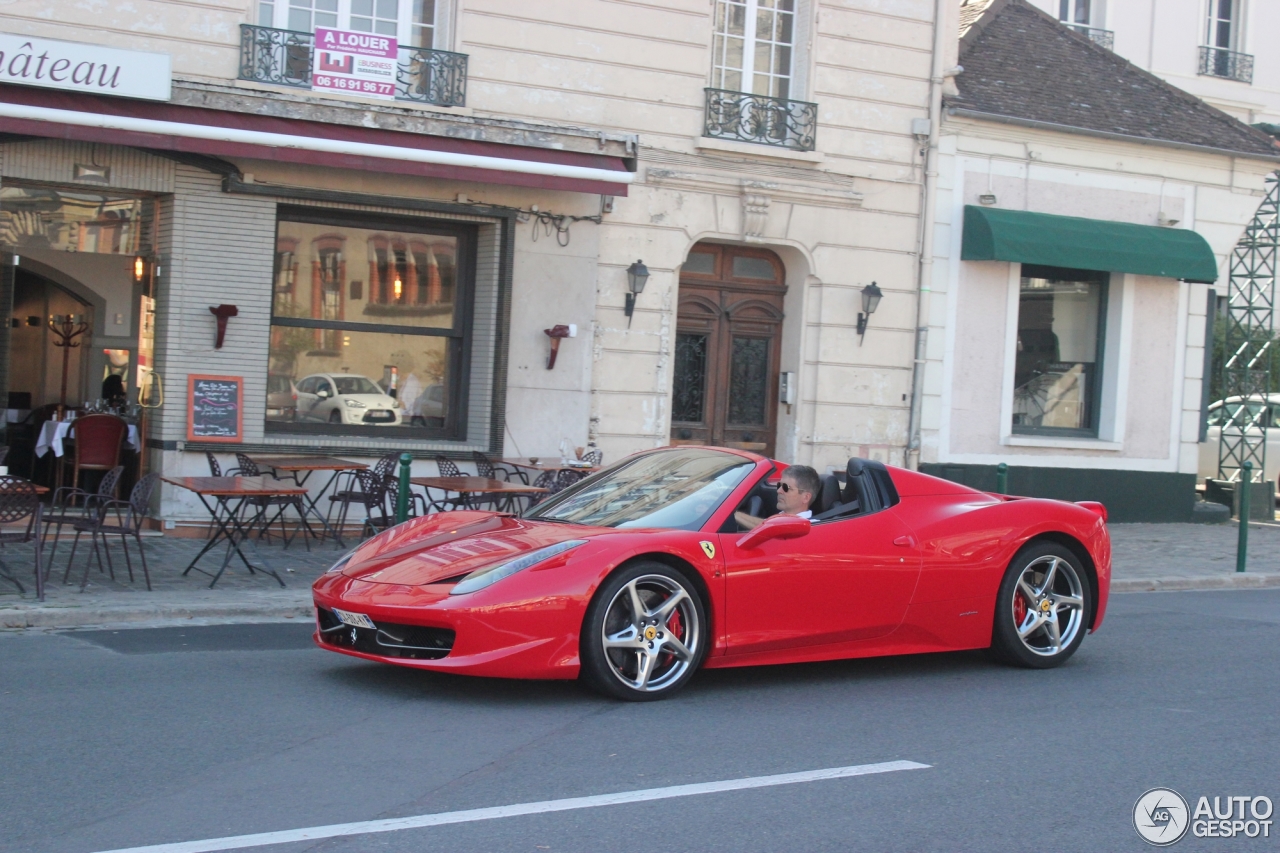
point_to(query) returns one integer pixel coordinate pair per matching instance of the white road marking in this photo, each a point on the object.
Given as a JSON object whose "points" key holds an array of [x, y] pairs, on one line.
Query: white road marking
{"points": [[365, 827]]}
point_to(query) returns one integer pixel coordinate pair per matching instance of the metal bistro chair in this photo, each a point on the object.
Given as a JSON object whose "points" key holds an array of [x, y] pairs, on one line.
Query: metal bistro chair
{"points": [[345, 495], [486, 467], [595, 457], [62, 512], [18, 500], [391, 495], [553, 482], [98, 439], [129, 516], [249, 468], [448, 468]]}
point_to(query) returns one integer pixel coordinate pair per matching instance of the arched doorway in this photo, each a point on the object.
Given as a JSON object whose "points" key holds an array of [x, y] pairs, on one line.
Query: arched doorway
{"points": [[728, 334]]}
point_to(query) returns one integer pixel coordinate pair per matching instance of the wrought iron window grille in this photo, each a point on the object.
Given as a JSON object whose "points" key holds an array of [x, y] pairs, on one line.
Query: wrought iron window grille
{"points": [[1100, 37], [744, 117], [1227, 64], [283, 57]]}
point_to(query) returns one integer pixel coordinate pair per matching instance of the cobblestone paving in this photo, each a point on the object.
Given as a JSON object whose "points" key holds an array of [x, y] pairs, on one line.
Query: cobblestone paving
{"points": [[1145, 556]]}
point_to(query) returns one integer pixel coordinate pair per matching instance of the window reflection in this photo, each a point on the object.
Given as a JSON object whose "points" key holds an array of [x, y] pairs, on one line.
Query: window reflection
{"points": [[1055, 377], [364, 330]]}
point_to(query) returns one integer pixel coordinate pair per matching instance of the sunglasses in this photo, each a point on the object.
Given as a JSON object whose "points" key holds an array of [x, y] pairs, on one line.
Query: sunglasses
{"points": [[788, 488]]}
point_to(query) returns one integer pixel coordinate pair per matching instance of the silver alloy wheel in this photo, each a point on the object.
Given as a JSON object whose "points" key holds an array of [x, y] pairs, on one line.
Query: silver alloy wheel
{"points": [[1048, 605], [651, 634]]}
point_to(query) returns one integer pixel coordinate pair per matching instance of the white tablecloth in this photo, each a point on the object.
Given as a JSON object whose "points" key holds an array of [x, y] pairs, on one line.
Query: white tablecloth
{"points": [[53, 433]]}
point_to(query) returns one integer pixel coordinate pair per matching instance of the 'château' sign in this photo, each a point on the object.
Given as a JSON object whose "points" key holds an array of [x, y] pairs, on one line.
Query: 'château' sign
{"points": [[89, 68]]}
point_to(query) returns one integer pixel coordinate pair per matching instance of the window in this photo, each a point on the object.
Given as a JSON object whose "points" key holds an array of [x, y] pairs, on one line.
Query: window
{"points": [[1222, 29], [1057, 366], [1082, 12], [370, 325], [752, 47], [414, 22]]}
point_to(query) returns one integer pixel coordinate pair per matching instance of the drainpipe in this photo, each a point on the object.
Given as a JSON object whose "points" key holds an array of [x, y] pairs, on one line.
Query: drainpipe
{"points": [[929, 192]]}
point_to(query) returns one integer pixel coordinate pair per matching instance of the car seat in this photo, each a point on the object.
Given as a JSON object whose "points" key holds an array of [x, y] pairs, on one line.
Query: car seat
{"points": [[828, 495]]}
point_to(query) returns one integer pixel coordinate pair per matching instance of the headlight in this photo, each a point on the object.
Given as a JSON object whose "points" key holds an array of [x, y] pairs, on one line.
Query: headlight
{"points": [[482, 578], [342, 562], [355, 404]]}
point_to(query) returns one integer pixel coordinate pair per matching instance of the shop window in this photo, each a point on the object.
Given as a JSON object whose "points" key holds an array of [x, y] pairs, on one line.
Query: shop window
{"points": [[386, 358], [1057, 371]]}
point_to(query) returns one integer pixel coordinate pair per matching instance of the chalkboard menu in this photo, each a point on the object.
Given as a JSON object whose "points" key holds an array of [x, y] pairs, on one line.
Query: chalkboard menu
{"points": [[215, 410]]}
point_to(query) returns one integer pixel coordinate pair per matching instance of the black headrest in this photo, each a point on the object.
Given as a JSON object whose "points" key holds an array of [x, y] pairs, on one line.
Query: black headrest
{"points": [[828, 494], [868, 482]]}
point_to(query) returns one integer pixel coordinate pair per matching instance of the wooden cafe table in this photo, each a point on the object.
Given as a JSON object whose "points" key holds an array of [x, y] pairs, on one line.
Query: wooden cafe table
{"points": [[299, 469], [229, 496], [468, 486]]}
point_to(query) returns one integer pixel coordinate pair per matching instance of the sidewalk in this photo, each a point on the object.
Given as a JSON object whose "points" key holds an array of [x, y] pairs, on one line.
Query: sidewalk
{"points": [[1145, 557]]}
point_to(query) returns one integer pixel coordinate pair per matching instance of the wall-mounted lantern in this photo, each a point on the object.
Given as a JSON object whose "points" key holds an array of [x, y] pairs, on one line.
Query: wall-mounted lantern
{"points": [[870, 302], [637, 276]]}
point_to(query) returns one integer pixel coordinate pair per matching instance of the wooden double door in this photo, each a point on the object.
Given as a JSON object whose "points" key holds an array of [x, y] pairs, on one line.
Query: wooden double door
{"points": [[728, 337]]}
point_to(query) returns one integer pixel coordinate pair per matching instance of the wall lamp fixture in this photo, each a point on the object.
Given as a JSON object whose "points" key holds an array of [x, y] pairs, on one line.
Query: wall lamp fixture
{"points": [[870, 302], [637, 276]]}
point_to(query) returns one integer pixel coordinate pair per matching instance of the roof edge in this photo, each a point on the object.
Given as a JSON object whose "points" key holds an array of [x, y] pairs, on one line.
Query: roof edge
{"points": [[1103, 134]]}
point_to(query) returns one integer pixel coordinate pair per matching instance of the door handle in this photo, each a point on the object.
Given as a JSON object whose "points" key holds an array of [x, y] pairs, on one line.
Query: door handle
{"points": [[904, 541]]}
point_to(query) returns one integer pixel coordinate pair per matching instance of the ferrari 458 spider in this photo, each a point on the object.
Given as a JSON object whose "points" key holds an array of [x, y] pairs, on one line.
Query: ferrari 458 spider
{"points": [[634, 578]]}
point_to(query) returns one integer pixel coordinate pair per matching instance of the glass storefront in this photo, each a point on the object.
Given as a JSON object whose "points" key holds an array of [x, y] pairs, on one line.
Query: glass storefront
{"points": [[1060, 319], [370, 325]]}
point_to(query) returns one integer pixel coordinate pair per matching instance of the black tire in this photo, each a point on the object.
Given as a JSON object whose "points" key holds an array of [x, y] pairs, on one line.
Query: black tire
{"points": [[335, 417], [670, 645], [1040, 622]]}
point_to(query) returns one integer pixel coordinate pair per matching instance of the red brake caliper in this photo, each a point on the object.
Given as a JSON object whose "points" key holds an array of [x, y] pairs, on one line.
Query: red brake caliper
{"points": [[1019, 608], [676, 627]]}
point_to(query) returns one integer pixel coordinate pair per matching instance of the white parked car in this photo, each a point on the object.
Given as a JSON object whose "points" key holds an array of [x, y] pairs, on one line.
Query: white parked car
{"points": [[1261, 413], [343, 398]]}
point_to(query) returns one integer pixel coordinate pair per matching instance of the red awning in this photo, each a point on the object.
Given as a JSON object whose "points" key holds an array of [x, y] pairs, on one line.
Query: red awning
{"points": [[219, 133]]}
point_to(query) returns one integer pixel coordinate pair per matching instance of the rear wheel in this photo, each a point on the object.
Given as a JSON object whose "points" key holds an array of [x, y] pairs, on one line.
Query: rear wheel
{"points": [[1042, 607], [645, 633]]}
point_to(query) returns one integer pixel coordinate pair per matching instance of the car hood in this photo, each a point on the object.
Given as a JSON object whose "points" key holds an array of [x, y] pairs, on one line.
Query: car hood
{"points": [[371, 399], [447, 545]]}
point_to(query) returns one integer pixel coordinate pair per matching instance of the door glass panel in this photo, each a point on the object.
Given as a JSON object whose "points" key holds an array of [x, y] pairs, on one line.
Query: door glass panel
{"points": [[749, 267], [748, 380], [702, 263], [690, 378]]}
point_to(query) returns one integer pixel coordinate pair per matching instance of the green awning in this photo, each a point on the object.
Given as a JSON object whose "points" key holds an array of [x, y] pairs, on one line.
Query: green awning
{"points": [[991, 234]]}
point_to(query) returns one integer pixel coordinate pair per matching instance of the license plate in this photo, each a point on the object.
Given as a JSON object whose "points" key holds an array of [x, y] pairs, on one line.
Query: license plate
{"points": [[355, 620], [380, 416]]}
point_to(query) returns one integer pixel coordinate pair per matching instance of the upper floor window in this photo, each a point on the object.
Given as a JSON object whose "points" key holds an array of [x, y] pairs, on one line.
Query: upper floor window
{"points": [[1223, 28], [753, 48], [1087, 13], [413, 22]]}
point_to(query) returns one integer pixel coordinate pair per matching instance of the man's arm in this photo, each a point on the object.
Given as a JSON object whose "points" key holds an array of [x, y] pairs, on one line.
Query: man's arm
{"points": [[750, 522]]}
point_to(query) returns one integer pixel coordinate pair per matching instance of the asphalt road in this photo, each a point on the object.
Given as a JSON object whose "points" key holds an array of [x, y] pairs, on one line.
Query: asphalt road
{"points": [[147, 736]]}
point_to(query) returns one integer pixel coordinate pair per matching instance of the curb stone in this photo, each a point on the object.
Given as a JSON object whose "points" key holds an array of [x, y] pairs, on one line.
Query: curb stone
{"points": [[1243, 580]]}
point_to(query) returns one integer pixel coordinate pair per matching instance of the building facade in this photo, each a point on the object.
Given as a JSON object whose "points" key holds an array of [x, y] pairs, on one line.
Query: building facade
{"points": [[1085, 208], [388, 268]]}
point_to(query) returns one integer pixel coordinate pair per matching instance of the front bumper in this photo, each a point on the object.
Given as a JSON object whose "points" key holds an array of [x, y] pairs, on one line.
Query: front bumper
{"points": [[426, 628]]}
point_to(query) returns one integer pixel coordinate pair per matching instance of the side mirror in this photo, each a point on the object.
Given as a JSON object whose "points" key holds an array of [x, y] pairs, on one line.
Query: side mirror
{"points": [[322, 393], [777, 527]]}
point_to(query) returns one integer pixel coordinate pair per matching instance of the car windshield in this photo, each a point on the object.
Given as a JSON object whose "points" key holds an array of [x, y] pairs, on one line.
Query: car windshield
{"points": [[677, 489], [355, 385]]}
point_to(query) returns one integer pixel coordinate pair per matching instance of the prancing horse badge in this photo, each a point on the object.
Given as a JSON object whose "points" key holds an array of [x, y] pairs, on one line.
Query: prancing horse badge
{"points": [[709, 549]]}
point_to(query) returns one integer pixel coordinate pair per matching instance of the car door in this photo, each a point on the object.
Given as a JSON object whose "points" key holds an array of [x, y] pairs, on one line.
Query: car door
{"points": [[307, 398], [848, 579]]}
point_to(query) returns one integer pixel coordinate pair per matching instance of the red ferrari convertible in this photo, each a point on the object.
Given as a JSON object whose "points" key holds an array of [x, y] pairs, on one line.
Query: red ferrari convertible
{"points": [[634, 578]]}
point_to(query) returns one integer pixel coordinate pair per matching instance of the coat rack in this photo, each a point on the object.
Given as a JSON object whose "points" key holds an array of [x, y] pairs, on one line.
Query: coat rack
{"points": [[66, 328]]}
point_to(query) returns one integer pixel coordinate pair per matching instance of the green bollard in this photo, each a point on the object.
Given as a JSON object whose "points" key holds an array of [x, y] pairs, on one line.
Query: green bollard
{"points": [[1002, 478], [1246, 486], [402, 497]]}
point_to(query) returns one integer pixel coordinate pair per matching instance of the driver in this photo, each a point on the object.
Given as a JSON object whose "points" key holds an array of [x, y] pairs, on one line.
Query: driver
{"points": [[796, 491]]}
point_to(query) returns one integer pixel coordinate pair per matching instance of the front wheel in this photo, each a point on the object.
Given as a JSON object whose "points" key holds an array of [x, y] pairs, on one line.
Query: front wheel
{"points": [[1042, 608], [645, 633]]}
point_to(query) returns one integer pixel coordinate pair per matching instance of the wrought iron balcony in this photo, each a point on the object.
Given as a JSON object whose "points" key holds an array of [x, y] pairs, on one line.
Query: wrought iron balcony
{"points": [[283, 57], [743, 117], [1100, 37], [1220, 62]]}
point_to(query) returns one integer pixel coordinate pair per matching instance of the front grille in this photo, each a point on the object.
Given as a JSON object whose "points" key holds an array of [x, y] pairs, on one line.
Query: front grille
{"points": [[387, 640]]}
